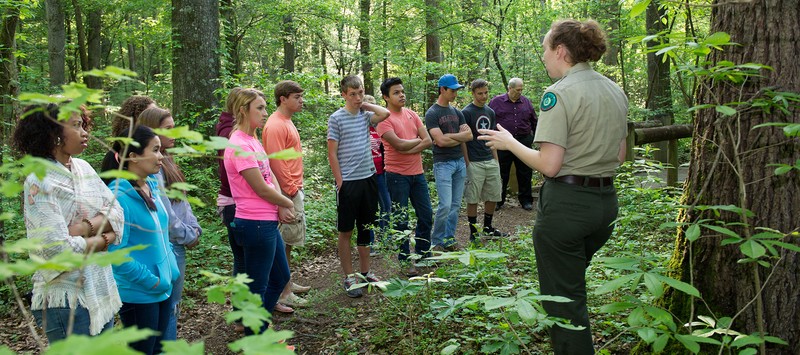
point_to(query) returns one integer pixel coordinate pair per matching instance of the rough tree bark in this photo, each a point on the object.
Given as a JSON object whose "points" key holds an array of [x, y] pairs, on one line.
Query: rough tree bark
{"points": [[56, 39], [728, 147], [433, 52], [289, 49], [659, 90], [363, 41], [9, 82], [195, 65], [93, 46], [228, 13]]}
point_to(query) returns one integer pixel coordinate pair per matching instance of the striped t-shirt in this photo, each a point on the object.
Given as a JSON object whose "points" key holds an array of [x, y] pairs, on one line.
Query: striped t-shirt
{"points": [[355, 152]]}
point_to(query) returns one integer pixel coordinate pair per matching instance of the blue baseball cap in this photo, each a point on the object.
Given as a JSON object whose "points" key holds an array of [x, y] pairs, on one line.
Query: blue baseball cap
{"points": [[449, 81]]}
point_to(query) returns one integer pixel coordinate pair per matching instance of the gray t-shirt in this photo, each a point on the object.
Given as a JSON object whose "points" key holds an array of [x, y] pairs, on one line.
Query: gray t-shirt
{"points": [[448, 119], [355, 151], [479, 118]]}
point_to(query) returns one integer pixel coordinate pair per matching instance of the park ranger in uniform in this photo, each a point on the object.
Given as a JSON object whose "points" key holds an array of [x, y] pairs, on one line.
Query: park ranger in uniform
{"points": [[581, 133]]}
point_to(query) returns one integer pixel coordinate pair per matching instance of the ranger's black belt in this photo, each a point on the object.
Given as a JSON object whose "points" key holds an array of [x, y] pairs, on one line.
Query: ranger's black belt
{"points": [[585, 180]]}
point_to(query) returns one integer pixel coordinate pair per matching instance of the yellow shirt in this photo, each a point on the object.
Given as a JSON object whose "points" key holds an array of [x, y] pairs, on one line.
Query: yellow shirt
{"points": [[586, 114]]}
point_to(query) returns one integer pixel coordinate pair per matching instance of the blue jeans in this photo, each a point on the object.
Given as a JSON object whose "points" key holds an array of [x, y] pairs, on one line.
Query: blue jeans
{"points": [[385, 204], [264, 260], [177, 294], [228, 213], [450, 178], [153, 316], [57, 320], [414, 187]]}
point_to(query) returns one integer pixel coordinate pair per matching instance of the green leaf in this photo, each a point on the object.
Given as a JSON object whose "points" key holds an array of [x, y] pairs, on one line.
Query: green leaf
{"points": [[180, 132], [615, 284], [638, 8], [497, 302], [647, 334], [653, 284], [785, 245], [693, 232], [748, 351], [110, 342], [286, 154], [752, 249], [679, 285], [525, 309], [688, 343], [746, 340], [616, 307], [722, 230], [118, 174], [783, 169], [718, 38], [263, 344], [725, 110], [775, 340], [660, 343], [450, 349], [181, 347]]}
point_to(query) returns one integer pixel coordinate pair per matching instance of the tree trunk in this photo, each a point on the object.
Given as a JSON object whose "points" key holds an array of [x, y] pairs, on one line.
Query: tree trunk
{"points": [[730, 167], [363, 41], [433, 52], [289, 50], [195, 65], [81, 36], [132, 62], [611, 58], [659, 96], [56, 39], [9, 83], [228, 14], [93, 47]]}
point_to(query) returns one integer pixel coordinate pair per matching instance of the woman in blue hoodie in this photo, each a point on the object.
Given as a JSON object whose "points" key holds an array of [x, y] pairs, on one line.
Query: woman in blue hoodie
{"points": [[145, 282]]}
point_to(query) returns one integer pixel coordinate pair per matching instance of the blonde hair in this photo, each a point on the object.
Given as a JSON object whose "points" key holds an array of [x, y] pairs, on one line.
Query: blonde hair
{"points": [[243, 100], [231, 99]]}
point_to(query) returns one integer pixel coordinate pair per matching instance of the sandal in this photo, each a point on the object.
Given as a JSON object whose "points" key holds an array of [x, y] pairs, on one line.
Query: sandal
{"points": [[282, 308]]}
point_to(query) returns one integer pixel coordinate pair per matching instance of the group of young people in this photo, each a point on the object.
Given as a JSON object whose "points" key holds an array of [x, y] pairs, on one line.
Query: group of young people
{"points": [[375, 157], [72, 208]]}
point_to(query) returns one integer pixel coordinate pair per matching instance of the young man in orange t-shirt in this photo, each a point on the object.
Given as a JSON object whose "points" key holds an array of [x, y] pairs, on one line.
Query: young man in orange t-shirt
{"points": [[279, 134]]}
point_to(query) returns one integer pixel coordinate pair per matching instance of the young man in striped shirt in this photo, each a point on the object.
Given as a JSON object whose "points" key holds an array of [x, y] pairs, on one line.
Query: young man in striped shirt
{"points": [[350, 157]]}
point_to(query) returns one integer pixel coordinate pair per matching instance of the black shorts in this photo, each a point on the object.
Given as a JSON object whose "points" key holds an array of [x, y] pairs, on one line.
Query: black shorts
{"points": [[357, 203]]}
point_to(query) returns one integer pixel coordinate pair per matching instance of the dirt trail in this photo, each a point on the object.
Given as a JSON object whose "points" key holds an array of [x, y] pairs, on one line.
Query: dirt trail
{"points": [[317, 328]]}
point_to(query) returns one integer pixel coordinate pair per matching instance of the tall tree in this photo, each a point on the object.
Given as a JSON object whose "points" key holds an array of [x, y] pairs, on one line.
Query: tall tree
{"points": [[289, 50], [730, 166], [56, 39], [9, 82], [93, 46], [232, 39], [659, 91], [363, 42], [433, 51], [195, 65]]}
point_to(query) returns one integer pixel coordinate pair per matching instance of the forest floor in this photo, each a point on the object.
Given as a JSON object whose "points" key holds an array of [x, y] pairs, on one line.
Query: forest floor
{"points": [[329, 320]]}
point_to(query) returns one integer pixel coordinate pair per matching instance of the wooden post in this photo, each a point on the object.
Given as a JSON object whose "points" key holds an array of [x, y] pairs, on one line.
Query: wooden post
{"points": [[672, 158], [630, 142]]}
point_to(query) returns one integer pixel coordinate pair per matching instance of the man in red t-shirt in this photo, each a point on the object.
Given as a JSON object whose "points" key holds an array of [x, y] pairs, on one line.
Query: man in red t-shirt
{"points": [[404, 137]]}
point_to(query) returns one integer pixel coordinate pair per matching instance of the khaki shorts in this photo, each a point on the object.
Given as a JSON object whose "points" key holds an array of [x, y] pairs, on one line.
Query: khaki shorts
{"points": [[295, 234], [483, 182]]}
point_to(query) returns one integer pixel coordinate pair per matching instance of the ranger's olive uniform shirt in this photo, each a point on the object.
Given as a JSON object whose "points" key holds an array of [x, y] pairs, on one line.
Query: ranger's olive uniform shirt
{"points": [[586, 114]]}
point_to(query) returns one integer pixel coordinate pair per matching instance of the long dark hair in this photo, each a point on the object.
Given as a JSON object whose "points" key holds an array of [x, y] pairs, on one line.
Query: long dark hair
{"points": [[114, 158]]}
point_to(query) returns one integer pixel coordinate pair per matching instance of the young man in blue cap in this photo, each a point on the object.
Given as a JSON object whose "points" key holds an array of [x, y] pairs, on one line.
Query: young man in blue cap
{"points": [[448, 129]]}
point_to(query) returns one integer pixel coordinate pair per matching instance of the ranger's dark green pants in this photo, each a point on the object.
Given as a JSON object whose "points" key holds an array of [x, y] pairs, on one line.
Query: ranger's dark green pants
{"points": [[572, 223]]}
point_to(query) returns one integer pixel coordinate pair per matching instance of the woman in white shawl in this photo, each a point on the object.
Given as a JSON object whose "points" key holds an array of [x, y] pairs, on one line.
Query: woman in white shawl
{"points": [[70, 208]]}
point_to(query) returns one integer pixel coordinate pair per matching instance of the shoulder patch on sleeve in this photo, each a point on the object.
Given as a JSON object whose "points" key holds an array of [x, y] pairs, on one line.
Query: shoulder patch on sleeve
{"points": [[548, 101]]}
